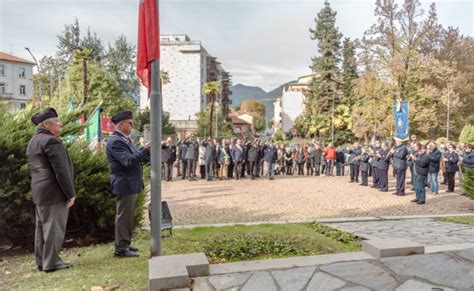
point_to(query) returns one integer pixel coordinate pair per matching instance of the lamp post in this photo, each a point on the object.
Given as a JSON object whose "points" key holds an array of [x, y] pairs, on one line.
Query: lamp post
{"points": [[40, 82], [447, 121]]}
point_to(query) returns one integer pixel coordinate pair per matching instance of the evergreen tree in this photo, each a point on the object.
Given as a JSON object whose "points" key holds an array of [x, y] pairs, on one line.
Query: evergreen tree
{"points": [[349, 73], [69, 41], [92, 42], [323, 88], [120, 62]]}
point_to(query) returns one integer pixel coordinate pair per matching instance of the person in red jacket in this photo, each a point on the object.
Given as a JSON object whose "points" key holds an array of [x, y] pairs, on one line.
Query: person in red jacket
{"points": [[330, 153]]}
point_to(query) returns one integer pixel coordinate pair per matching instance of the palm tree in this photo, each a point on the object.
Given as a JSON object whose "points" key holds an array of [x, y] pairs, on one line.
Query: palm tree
{"points": [[211, 89], [82, 56]]}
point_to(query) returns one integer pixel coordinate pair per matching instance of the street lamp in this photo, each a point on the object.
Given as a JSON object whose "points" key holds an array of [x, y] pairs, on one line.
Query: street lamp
{"points": [[40, 82]]}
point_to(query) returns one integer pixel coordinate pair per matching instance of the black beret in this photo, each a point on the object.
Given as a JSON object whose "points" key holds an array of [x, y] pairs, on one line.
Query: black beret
{"points": [[42, 116], [124, 115]]}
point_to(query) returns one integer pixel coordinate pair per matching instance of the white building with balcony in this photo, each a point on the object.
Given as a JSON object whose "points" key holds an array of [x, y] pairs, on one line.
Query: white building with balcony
{"points": [[16, 81], [293, 101], [189, 66]]}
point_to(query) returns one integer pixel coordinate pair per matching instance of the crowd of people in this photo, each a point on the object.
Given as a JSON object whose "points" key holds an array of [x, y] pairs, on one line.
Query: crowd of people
{"points": [[235, 159]]}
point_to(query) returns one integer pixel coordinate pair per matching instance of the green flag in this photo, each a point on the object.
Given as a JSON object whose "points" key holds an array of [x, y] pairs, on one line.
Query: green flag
{"points": [[92, 132]]}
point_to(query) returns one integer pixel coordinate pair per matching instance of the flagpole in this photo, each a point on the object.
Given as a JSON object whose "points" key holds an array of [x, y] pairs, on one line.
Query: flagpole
{"points": [[155, 140]]}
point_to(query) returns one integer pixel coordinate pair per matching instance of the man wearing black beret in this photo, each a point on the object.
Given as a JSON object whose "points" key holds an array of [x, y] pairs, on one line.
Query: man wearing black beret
{"points": [[52, 186], [126, 180]]}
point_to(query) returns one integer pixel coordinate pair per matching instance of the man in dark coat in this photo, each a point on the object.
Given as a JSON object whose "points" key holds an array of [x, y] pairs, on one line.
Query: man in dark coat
{"points": [[209, 158], [269, 157], [126, 180], [182, 159], [169, 157], [433, 170], [422, 164], [238, 157], [399, 157], [354, 162], [451, 158], [375, 165], [52, 186], [384, 162], [191, 156], [252, 158]]}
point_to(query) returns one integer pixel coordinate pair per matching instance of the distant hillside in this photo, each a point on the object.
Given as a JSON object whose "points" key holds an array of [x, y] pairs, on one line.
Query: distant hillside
{"points": [[242, 92]]}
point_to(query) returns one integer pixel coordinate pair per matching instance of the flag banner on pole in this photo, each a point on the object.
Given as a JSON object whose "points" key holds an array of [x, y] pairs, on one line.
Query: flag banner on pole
{"points": [[400, 110], [107, 125], [148, 40], [92, 130]]}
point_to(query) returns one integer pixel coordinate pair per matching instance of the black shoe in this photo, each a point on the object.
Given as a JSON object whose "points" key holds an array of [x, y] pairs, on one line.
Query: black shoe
{"points": [[133, 249], [414, 200], [395, 193], [40, 268], [357, 181], [420, 202], [401, 194], [126, 254], [374, 187], [351, 181], [381, 190], [57, 267]]}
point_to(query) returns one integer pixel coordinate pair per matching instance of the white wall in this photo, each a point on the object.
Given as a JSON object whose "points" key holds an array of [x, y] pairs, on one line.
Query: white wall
{"points": [[292, 107], [186, 67], [13, 82]]}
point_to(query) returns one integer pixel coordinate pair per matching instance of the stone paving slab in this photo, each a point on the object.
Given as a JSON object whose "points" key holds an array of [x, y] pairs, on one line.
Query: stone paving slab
{"points": [[447, 270], [425, 231]]}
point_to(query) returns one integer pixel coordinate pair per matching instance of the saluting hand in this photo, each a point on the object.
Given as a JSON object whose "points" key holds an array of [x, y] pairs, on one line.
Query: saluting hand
{"points": [[70, 202]]}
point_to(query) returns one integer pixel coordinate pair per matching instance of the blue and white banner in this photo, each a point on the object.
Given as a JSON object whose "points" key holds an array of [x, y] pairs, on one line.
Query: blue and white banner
{"points": [[400, 110]]}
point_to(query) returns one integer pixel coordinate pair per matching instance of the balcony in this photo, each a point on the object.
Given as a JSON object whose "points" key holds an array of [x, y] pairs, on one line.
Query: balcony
{"points": [[6, 96]]}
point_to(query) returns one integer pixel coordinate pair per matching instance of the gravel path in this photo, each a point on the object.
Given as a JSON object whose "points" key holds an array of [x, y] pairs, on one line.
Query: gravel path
{"points": [[295, 198]]}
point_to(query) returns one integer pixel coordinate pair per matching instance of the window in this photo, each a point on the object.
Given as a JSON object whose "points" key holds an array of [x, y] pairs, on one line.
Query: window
{"points": [[22, 105], [21, 72], [2, 70], [22, 90], [2, 88]]}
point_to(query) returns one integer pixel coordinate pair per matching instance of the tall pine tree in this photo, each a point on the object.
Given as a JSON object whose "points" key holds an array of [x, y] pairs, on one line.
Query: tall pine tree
{"points": [[323, 87], [349, 73]]}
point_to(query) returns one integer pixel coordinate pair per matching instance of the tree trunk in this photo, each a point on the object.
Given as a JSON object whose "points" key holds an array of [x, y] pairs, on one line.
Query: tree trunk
{"points": [[86, 82], [211, 114]]}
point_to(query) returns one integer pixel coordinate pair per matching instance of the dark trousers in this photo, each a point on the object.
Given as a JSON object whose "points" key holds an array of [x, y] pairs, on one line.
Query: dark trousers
{"points": [[310, 168], [329, 167], [400, 176], [124, 221], [412, 180], [49, 234], [300, 168], [289, 169], [259, 168], [355, 172], [375, 176], [420, 188], [184, 168], [253, 169], [238, 169], [451, 181], [339, 169], [316, 169], [209, 169], [191, 169], [202, 171], [383, 179], [168, 171], [230, 171], [365, 177]]}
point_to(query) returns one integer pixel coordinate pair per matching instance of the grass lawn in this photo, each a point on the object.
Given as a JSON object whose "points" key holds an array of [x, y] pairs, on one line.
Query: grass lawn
{"points": [[96, 266], [462, 219]]}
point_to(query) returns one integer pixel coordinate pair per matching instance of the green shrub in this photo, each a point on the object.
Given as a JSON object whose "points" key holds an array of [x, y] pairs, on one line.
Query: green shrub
{"points": [[94, 210], [247, 248], [467, 134], [336, 234], [468, 182]]}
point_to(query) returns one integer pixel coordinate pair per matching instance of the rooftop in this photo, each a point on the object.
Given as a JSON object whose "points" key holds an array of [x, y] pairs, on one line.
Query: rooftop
{"points": [[12, 58]]}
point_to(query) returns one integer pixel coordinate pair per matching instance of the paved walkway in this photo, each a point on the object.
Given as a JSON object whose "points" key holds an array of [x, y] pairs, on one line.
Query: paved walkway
{"points": [[427, 232], [295, 198], [437, 271]]}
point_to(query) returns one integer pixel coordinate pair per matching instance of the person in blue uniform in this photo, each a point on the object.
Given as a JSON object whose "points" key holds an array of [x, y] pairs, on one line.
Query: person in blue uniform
{"points": [[399, 155], [126, 180], [384, 161], [52, 186]]}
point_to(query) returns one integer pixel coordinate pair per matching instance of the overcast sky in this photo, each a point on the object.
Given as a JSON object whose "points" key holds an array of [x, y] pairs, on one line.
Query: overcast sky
{"points": [[261, 42]]}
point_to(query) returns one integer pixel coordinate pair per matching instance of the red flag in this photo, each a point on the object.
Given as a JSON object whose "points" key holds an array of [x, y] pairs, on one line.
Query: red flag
{"points": [[106, 124], [148, 40]]}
